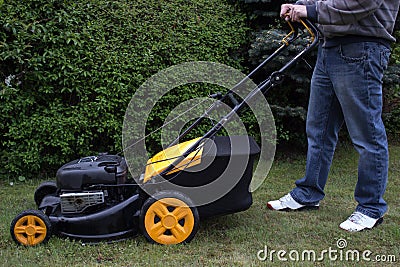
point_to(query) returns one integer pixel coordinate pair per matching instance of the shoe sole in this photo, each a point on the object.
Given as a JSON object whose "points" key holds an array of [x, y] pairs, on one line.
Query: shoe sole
{"points": [[305, 208], [378, 222]]}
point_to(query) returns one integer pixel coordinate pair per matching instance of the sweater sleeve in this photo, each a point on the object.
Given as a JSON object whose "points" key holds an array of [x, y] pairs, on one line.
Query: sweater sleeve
{"points": [[311, 9], [312, 13], [306, 2], [343, 12]]}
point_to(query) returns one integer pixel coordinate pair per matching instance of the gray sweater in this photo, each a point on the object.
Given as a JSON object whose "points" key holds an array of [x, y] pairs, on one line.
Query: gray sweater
{"points": [[352, 18]]}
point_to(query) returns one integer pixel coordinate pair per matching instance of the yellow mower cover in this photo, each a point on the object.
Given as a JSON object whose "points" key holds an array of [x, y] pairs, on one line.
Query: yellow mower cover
{"points": [[163, 159]]}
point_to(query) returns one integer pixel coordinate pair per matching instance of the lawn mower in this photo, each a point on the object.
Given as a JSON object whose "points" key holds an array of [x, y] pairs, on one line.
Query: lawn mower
{"points": [[94, 199]]}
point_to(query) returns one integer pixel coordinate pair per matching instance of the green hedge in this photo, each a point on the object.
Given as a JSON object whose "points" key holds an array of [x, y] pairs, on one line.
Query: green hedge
{"points": [[68, 69], [391, 109]]}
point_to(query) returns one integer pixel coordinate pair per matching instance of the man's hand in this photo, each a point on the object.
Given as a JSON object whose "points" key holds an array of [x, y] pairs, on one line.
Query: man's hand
{"points": [[293, 12]]}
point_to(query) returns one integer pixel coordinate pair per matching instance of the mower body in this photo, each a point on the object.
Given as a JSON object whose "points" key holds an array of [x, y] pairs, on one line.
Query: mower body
{"points": [[94, 199]]}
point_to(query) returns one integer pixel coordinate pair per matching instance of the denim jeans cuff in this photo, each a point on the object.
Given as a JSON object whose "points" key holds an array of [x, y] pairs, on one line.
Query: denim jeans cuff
{"points": [[369, 213], [298, 200]]}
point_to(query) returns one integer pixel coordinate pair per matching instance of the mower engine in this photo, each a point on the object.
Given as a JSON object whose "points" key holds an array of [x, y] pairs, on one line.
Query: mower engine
{"points": [[86, 185], [92, 199], [94, 170], [89, 183]]}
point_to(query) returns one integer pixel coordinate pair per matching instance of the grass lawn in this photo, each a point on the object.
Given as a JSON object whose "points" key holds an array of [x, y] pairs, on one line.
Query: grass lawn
{"points": [[237, 239]]}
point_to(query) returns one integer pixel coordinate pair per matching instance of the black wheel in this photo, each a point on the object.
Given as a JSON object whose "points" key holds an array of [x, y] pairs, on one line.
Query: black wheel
{"points": [[31, 228], [169, 217], [44, 189]]}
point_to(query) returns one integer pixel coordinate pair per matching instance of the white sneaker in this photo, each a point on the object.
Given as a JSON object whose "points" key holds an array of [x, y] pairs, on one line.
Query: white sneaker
{"points": [[287, 203], [358, 222]]}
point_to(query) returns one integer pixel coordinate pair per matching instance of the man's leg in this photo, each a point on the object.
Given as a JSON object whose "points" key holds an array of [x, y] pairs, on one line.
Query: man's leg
{"points": [[324, 120], [359, 89]]}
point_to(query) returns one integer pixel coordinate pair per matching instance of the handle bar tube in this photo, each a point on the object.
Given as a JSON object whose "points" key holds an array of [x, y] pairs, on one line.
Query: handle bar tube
{"points": [[263, 87]]}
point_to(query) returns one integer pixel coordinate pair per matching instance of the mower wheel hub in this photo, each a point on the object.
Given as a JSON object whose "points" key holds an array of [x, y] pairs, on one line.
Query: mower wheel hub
{"points": [[169, 221]]}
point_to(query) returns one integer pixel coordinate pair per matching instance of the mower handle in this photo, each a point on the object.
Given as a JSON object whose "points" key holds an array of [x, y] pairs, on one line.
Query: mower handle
{"points": [[314, 40], [294, 27], [273, 80], [286, 41], [275, 77]]}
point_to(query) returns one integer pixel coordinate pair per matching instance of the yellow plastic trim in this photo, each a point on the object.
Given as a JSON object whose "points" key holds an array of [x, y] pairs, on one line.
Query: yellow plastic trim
{"points": [[30, 230], [163, 159], [309, 30], [169, 227], [285, 39]]}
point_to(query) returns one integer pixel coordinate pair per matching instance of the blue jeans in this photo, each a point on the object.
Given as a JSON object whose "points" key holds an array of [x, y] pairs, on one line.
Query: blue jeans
{"points": [[346, 87]]}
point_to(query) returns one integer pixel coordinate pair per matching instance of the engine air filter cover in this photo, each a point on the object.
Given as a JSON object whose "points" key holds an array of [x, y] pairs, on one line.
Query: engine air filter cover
{"points": [[79, 202]]}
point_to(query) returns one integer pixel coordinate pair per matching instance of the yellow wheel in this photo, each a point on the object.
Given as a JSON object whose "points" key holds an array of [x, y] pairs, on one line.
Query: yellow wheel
{"points": [[31, 228], [168, 218]]}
